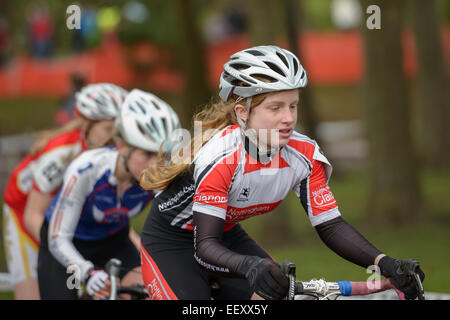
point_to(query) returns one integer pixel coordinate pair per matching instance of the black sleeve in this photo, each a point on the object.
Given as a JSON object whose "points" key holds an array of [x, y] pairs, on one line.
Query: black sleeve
{"points": [[210, 254], [344, 240]]}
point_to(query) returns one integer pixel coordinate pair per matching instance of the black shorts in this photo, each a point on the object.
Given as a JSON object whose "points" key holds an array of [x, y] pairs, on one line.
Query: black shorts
{"points": [[170, 271], [53, 276]]}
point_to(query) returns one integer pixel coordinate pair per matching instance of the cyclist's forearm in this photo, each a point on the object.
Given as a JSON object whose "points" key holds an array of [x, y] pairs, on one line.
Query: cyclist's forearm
{"points": [[210, 254], [33, 222], [344, 240]]}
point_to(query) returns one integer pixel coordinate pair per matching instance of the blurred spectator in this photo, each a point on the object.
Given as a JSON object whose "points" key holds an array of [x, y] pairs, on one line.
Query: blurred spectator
{"points": [[4, 40], [40, 33], [135, 11], [221, 25], [346, 14], [236, 19], [108, 19], [87, 36], [66, 111]]}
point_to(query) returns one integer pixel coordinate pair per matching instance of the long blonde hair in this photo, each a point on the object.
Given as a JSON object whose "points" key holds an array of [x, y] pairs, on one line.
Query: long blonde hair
{"points": [[45, 136], [213, 118], [77, 123]]}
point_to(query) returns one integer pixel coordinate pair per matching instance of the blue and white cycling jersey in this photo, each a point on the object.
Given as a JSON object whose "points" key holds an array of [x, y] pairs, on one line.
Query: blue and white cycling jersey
{"points": [[88, 206]]}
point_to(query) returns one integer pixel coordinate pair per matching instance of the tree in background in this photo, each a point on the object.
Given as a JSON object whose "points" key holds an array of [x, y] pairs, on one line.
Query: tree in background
{"points": [[433, 85], [192, 58], [395, 194], [265, 27], [293, 11]]}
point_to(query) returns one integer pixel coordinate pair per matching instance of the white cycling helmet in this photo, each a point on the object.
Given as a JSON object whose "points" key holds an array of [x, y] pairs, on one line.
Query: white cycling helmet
{"points": [[100, 101], [242, 73], [145, 121]]}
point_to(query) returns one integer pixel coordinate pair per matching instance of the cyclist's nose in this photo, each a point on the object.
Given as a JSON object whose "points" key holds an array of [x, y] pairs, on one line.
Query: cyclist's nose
{"points": [[289, 116]]}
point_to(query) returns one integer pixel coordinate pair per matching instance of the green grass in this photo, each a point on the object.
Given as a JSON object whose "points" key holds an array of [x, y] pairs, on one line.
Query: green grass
{"points": [[427, 241], [21, 115]]}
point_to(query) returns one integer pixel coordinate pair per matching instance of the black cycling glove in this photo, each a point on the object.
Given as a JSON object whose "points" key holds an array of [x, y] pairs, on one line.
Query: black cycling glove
{"points": [[265, 277], [396, 271]]}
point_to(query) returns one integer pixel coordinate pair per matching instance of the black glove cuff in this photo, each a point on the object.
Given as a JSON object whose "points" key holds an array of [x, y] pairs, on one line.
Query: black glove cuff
{"points": [[387, 266]]}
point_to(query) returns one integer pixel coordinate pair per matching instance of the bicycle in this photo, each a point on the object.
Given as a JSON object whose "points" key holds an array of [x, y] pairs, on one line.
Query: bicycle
{"points": [[136, 291], [323, 290]]}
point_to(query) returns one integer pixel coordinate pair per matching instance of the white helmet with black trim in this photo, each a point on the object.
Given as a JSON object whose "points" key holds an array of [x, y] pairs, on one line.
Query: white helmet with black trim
{"points": [[243, 72], [100, 101], [146, 122]]}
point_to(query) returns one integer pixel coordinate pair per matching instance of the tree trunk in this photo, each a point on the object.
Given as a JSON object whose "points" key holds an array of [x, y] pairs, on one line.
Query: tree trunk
{"points": [[192, 57], [434, 97], [264, 27], [264, 22], [395, 195], [308, 117]]}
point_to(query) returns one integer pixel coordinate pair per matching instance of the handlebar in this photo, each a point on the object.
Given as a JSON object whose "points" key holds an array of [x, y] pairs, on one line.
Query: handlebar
{"points": [[321, 288], [112, 268]]}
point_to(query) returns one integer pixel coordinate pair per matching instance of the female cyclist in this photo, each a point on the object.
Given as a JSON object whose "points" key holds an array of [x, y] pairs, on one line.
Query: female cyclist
{"points": [[87, 222], [243, 169], [38, 176]]}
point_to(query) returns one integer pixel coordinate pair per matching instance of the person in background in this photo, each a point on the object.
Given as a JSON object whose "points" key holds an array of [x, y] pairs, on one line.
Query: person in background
{"points": [[67, 110], [35, 180], [88, 221]]}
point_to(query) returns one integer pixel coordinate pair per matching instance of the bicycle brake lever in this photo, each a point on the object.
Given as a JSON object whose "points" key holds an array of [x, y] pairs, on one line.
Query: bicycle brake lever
{"points": [[410, 269], [288, 268], [112, 268]]}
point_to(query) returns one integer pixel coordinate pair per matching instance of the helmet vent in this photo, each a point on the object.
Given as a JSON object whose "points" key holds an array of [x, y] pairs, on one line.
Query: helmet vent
{"points": [[296, 67], [145, 132], [248, 79], [255, 53], [283, 58], [303, 74], [275, 68], [265, 77], [138, 103], [156, 105], [240, 66], [164, 121]]}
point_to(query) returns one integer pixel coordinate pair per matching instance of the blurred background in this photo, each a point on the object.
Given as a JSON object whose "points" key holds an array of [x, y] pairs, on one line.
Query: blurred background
{"points": [[378, 101]]}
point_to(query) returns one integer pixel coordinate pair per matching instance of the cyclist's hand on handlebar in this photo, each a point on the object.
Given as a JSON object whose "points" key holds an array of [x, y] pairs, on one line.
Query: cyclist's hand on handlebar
{"points": [[399, 272], [265, 278], [98, 284]]}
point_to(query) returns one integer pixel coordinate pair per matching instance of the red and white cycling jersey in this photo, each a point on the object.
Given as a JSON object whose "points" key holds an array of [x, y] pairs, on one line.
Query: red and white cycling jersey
{"points": [[231, 185], [43, 171]]}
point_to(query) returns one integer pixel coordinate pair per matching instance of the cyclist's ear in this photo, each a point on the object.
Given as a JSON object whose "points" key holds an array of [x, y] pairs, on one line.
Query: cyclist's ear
{"points": [[241, 112]]}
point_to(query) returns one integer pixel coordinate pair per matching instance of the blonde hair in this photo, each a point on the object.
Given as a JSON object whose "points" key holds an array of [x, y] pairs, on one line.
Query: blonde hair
{"points": [[45, 136], [213, 118], [77, 123]]}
